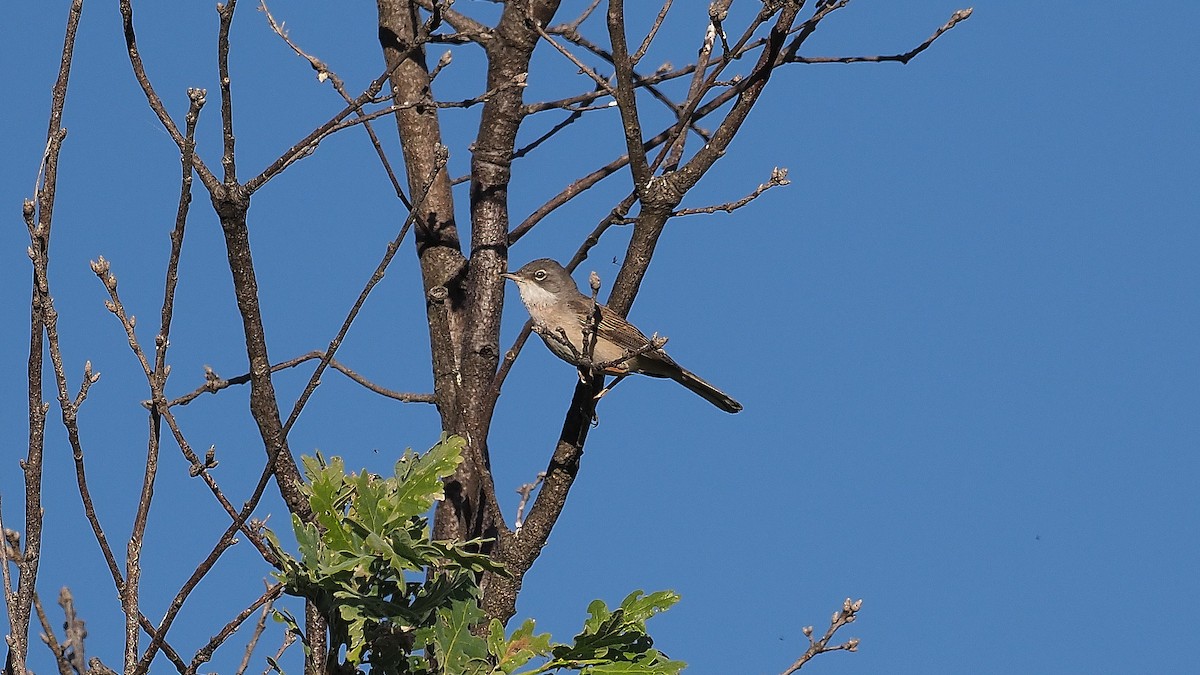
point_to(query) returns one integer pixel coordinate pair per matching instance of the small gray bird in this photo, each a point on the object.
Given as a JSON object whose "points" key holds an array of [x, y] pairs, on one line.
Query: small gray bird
{"points": [[563, 314]]}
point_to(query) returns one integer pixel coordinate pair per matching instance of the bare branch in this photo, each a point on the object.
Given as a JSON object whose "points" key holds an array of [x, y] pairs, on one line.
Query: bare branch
{"points": [[601, 82], [718, 11], [289, 638], [465, 25], [580, 185], [225, 11], [324, 73], [778, 178], [525, 491], [569, 120], [403, 397], [214, 383], [847, 614], [960, 15], [264, 601], [625, 96], [308, 144], [156, 105], [639, 81], [133, 567], [584, 15], [673, 152], [376, 277], [42, 318], [48, 638], [658, 21], [255, 636]]}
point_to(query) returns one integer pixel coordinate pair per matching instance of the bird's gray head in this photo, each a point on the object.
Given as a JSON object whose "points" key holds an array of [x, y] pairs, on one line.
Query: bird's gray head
{"points": [[544, 275]]}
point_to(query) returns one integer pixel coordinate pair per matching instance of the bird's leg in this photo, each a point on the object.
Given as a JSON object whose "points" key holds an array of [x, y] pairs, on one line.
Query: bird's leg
{"points": [[609, 388], [562, 339]]}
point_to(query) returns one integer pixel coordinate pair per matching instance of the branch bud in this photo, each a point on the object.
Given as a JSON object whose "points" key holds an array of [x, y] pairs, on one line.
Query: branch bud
{"points": [[99, 266]]}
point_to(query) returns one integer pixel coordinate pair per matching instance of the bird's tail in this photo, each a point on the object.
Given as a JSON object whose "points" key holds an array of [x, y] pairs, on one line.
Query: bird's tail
{"points": [[706, 391]]}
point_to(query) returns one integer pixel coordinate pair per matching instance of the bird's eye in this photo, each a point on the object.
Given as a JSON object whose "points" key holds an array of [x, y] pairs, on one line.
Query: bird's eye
{"points": [[540, 275]]}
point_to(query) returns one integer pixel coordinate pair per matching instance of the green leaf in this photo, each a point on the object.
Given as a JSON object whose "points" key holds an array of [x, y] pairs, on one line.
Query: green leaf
{"points": [[456, 648], [639, 607], [420, 477], [517, 650], [651, 665], [616, 641]]}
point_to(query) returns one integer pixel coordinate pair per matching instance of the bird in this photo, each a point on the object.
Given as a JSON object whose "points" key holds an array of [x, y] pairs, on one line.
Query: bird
{"points": [[563, 317]]}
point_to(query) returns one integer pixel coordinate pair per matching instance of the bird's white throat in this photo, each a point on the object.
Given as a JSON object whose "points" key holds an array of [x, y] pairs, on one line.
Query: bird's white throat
{"points": [[538, 301]]}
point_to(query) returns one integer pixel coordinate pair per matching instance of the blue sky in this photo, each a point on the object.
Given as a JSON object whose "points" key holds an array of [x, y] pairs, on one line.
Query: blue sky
{"points": [[965, 336]]}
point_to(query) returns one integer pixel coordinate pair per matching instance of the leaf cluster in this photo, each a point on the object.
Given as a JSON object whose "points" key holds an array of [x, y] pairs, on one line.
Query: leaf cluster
{"points": [[403, 603]]}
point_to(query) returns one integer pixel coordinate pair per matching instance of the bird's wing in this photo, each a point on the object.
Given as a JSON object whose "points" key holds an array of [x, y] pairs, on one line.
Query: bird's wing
{"points": [[626, 336]]}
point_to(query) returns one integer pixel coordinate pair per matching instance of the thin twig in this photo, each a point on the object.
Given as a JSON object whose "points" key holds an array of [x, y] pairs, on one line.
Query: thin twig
{"points": [[213, 383], [718, 11], [324, 73], [41, 314], [666, 73], [601, 82], [658, 21], [847, 614], [255, 636], [289, 638], [74, 632], [228, 157], [778, 178], [308, 144], [265, 601], [569, 120], [584, 15], [639, 80], [592, 330], [960, 15], [10, 549], [525, 491], [48, 638], [674, 150], [581, 185], [382, 391], [156, 105], [376, 277]]}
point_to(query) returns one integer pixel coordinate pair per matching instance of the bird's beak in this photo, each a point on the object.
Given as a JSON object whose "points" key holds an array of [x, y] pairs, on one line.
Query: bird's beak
{"points": [[510, 275]]}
